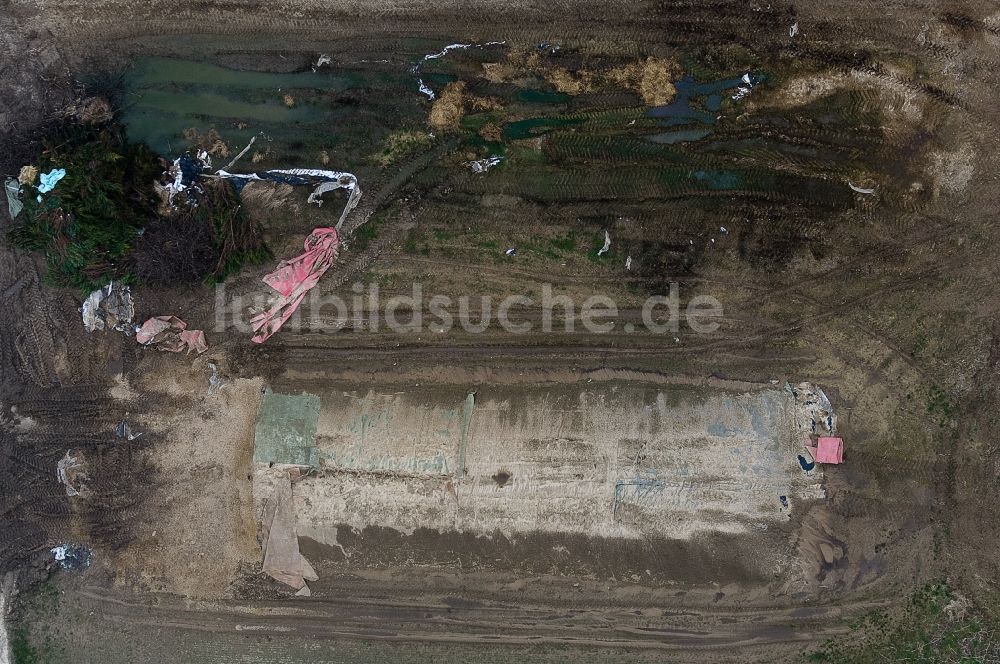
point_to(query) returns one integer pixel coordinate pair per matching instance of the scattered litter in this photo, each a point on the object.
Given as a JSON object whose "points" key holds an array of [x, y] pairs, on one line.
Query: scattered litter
{"points": [[109, 308], [123, 430], [322, 180], [72, 556], [806, 464], [71, 472], [860, 190], [321, 61], [829, 449], [784, 500], [292, 279], [170, 333], [280, 543], [28, 175], [628, 263], [511, 252], [794, 30], [14, 204], [722, 229], [747, 87], [215, 383], [483, 165], [49, 180], [607, 244]]}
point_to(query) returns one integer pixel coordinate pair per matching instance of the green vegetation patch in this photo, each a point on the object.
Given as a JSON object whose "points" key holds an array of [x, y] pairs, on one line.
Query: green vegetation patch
{"points": [[936, 625], [86, 225]]}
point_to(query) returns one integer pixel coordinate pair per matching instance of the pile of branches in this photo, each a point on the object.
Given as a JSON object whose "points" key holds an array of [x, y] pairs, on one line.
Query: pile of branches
{"points": [[204, 241], [174, 251]]}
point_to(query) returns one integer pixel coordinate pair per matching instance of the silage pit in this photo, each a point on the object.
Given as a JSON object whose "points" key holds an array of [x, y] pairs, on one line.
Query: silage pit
{"points": [[605, 461]]}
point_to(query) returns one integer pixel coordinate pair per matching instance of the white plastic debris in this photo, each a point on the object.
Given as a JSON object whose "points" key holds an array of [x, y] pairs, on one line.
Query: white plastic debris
{"points": [[860, 190], [510, 252], [14, 204], [322, 60], [745, 89], [607, 244], [70, 556], [628, 263], [108, 308], [444, 51], [71, 472], [440, 54], [328, 181], [722, 229], [483, 165], [215, 383], [794, 30], [253, 139], [425, 90], [123, 430]]}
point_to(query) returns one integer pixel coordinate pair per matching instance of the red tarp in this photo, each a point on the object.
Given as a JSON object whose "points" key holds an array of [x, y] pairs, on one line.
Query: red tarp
{"points": [[830, 450], [293, 278]]}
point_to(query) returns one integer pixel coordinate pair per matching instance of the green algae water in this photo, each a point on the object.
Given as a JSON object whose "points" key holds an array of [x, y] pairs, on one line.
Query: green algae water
{"points": [[298, 113]]}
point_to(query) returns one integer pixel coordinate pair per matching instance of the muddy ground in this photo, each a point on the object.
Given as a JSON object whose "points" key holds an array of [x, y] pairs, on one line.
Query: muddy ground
{"points": [[886, 300]]}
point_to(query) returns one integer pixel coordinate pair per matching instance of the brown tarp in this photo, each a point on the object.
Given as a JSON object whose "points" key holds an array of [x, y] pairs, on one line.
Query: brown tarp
{"points": [[282, 560]]}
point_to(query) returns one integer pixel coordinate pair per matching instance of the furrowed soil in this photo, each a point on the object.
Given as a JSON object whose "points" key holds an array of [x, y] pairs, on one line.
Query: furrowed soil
{"points": [[542, 493]]}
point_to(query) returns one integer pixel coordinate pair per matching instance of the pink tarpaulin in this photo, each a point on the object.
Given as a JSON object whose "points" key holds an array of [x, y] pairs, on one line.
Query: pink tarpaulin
{"points": [[292, 280], [170, 333], [829, 450]]}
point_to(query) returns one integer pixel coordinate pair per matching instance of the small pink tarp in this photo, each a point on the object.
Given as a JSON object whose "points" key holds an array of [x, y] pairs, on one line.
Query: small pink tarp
{"points": [[829, 450], [170, 333], [292, 280]]}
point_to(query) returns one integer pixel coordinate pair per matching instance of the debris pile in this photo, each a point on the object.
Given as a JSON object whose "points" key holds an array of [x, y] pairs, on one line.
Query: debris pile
{"points": [[72, 556], [483, 165], [170, 333], [817, 423], [182, 176], [109, 308]]}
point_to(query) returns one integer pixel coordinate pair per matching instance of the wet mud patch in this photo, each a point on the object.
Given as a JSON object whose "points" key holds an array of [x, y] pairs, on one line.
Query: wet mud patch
{"points": [[652, 561]]}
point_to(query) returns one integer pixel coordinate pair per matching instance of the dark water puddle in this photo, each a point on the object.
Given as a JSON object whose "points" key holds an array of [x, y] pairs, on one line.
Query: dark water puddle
{"points": [[706, 95]]}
